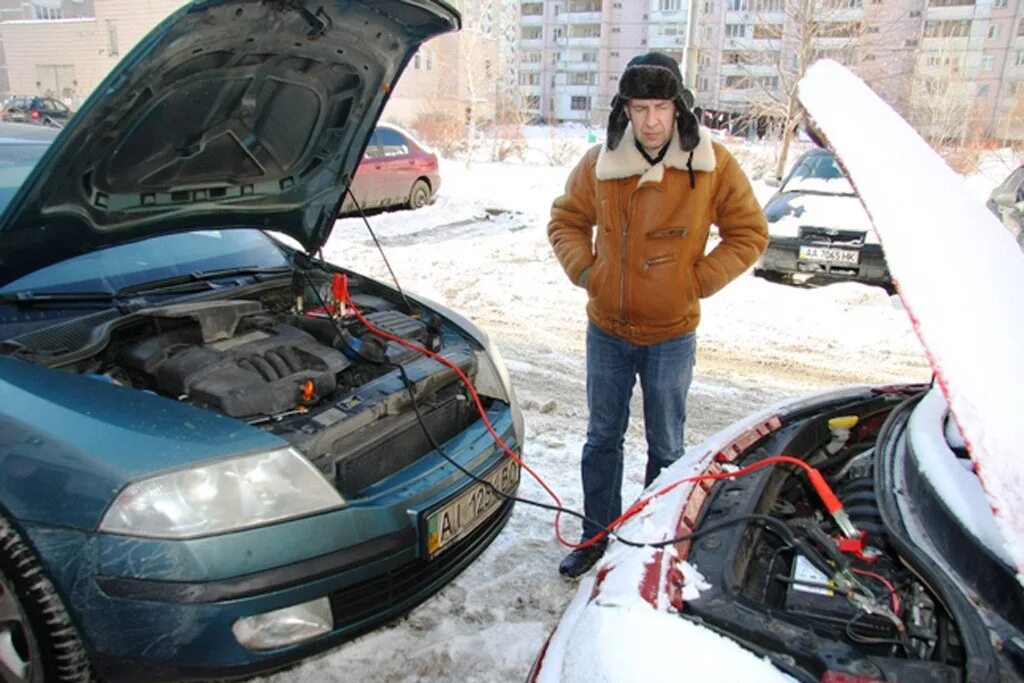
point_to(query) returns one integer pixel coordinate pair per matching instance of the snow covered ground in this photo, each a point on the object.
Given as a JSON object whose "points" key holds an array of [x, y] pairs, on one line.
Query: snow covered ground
{"points": [[482, 249]]}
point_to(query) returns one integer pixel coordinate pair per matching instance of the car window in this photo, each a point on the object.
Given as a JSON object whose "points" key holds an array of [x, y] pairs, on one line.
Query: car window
{"points": [[392, 143], [155, 258], [56, 106], [373, 148]]}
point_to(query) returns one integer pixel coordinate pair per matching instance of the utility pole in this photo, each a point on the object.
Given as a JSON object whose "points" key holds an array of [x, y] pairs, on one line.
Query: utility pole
{"points": [[690, 54]]}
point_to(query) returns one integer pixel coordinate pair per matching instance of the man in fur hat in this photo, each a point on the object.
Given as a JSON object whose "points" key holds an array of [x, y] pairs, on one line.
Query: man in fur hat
{"points": [[631, 229]]}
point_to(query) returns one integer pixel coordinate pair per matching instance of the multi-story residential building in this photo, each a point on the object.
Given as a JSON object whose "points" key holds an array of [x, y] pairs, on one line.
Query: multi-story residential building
{"points": [[571, 52], [953, 67]]}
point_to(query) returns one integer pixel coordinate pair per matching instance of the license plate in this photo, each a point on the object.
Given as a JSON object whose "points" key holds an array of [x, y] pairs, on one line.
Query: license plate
{"points": [[458, 517], [829, 255]]}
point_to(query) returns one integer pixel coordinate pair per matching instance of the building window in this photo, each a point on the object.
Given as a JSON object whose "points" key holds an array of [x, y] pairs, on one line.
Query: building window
{"points": [[579, 103], [529, 78], [585, 31], [616, 29], [873, 29], [703, 84], [949, 3], [112, 47], [588, 56], [531, 57], [1018, 57], [768, 5], [533, 102], [767, 31], [616, 5], [1020, 28], [416, 61], [708, 7], [988, 62], [993, 30], [533, 9], [48, 12], [914, 14], [738, 6], [668, 30], [736, 82], [583, 78], [670, 5], [736, 30], [558, 33], [531, 33], [983, 91], [1000, 3], [947, 29]]}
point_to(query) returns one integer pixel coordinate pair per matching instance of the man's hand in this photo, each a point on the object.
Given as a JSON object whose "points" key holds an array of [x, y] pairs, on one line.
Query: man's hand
{"points": [[581, 281]]}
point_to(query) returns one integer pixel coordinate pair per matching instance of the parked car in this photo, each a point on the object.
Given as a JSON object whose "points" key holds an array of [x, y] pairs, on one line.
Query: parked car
{"points": [[819, 230], [1007, 203], [395, 170], [902, 561], [45, 111], [207, 467]]}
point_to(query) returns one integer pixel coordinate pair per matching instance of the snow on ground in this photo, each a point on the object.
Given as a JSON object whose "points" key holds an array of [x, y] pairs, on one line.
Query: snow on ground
{"points": [[482, 249]]}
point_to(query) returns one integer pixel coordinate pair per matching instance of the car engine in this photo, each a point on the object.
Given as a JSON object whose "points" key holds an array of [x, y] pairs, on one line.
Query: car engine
{"points": [[303, 371]]}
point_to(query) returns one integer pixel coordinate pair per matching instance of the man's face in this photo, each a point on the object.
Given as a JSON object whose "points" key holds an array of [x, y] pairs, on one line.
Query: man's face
{"points": [[653, 122]]}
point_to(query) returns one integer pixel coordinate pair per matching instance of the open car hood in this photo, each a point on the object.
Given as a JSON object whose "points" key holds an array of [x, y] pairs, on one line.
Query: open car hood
{"points": [[957, 269], [231, 113]]}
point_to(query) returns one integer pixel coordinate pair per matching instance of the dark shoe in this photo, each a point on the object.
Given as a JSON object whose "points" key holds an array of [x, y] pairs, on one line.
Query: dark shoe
{"points": [[579, 561]]}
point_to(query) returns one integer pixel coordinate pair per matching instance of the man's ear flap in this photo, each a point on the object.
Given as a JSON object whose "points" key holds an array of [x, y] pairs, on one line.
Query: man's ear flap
{"points": [[617, 120]]}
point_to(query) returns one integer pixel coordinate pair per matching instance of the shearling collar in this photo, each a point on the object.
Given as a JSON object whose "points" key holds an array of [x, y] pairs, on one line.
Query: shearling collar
{"points": [[625, 161]]}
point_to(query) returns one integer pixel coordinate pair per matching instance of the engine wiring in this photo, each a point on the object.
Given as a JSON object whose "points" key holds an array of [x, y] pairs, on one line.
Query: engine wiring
{"points": [[828, 497]]}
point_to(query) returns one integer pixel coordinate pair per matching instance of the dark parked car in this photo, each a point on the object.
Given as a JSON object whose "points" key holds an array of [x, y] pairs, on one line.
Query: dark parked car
{"points": [[868, 533], [395, 171], [208, 466], [1007, 203], [819, 230], [45, 111]]}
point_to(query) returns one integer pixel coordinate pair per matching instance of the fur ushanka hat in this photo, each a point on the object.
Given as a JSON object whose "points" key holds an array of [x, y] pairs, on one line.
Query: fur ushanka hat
{"points": [[654, 76]]}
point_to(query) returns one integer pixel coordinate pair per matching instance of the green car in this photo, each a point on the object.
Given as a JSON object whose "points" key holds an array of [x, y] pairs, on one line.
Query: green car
{"points": [[209, 465]]}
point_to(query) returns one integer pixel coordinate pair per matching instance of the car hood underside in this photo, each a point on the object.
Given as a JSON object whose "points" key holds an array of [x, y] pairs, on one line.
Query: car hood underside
{"points": [[231, 113]]}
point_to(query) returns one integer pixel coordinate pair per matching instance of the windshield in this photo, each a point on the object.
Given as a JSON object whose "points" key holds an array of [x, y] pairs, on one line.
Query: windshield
{"points": [[157, 258], [817, 172], [16, 161]]}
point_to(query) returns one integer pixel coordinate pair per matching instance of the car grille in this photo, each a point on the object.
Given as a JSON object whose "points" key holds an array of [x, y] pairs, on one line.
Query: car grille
{"points": [[830, 237], [401, 587]]}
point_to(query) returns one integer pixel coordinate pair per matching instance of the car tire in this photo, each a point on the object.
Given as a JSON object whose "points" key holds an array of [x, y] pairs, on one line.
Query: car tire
{"points": [[775, 276], [419, 195], [38, 641]]}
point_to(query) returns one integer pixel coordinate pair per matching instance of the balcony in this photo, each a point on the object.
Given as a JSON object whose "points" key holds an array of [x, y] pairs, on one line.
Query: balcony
{"points": [[582, 17], [582, 41], [531, 20], [531, 43], [950, 13], [667, 42]]}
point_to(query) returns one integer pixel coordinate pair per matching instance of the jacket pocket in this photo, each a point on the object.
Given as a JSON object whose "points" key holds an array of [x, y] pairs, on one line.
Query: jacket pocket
{"points": [[668, 232], [657, 261]]}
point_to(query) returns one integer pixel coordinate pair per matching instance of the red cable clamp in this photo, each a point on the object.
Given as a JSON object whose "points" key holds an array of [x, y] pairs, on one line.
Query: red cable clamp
{"points": [[856, 547], [339, 287]]}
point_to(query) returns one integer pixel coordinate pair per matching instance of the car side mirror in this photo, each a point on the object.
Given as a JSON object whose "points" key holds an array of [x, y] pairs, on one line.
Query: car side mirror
{"points": [[772, 182], [1005, 199]]}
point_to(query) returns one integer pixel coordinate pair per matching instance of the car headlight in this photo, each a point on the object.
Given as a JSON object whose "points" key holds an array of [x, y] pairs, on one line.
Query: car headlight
{"points": [[227, 495], [493, 380]]}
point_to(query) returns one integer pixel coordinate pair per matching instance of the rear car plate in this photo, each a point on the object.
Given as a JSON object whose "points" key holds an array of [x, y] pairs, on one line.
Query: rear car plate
{"points": [[458, 516], [830, 255]]}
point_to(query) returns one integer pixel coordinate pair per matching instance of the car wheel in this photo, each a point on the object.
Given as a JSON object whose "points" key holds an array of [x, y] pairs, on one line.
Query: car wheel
{"points": [[775, 276], [38, 642], [420, 194]]}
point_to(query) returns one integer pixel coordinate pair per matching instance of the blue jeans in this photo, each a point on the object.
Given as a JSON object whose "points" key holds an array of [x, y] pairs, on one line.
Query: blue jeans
{"points": [[613, 364]]}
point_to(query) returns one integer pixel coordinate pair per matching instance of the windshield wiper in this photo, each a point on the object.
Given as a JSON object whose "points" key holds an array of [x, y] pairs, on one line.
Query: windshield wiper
{"points": [[198, 280], [29, 298]]}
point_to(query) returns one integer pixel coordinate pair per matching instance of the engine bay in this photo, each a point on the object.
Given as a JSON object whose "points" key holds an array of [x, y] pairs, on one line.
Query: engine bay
{"points": [[817, 603], [289, 359]]}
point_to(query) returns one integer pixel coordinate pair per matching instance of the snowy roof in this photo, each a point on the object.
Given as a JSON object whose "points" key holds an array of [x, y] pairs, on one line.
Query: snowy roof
{"points": [[959, 272]]}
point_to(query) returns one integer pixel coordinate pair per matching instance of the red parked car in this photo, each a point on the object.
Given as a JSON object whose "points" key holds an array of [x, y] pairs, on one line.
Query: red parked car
{"points": [[395, 171]]}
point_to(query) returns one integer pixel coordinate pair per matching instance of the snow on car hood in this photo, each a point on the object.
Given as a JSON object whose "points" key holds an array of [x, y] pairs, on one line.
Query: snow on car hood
{"points": [[790, 211], [230, 113], [959, 272]]}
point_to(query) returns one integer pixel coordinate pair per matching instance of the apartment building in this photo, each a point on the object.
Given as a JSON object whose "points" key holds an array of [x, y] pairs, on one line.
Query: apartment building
{"points": [[571, 52], [952, 67]]}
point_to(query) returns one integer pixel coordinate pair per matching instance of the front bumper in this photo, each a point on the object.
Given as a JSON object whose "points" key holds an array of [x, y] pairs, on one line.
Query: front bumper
{"points": [[164, 610], [783, 256]]}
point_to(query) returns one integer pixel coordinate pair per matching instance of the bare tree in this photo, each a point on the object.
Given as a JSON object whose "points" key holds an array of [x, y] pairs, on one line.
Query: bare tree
{"points": [[782, 40]]}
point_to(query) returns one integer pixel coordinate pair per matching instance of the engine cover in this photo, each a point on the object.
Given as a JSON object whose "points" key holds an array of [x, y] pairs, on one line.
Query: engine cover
{"points": [[254, 364]]}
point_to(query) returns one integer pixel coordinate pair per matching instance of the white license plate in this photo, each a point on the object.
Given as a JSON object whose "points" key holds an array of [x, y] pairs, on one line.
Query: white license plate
{"points": [[458, 517], [829, 255]]}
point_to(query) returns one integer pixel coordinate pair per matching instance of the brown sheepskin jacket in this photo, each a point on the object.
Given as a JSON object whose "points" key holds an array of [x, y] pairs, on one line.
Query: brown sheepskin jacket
{"points": [[648, 270]]}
